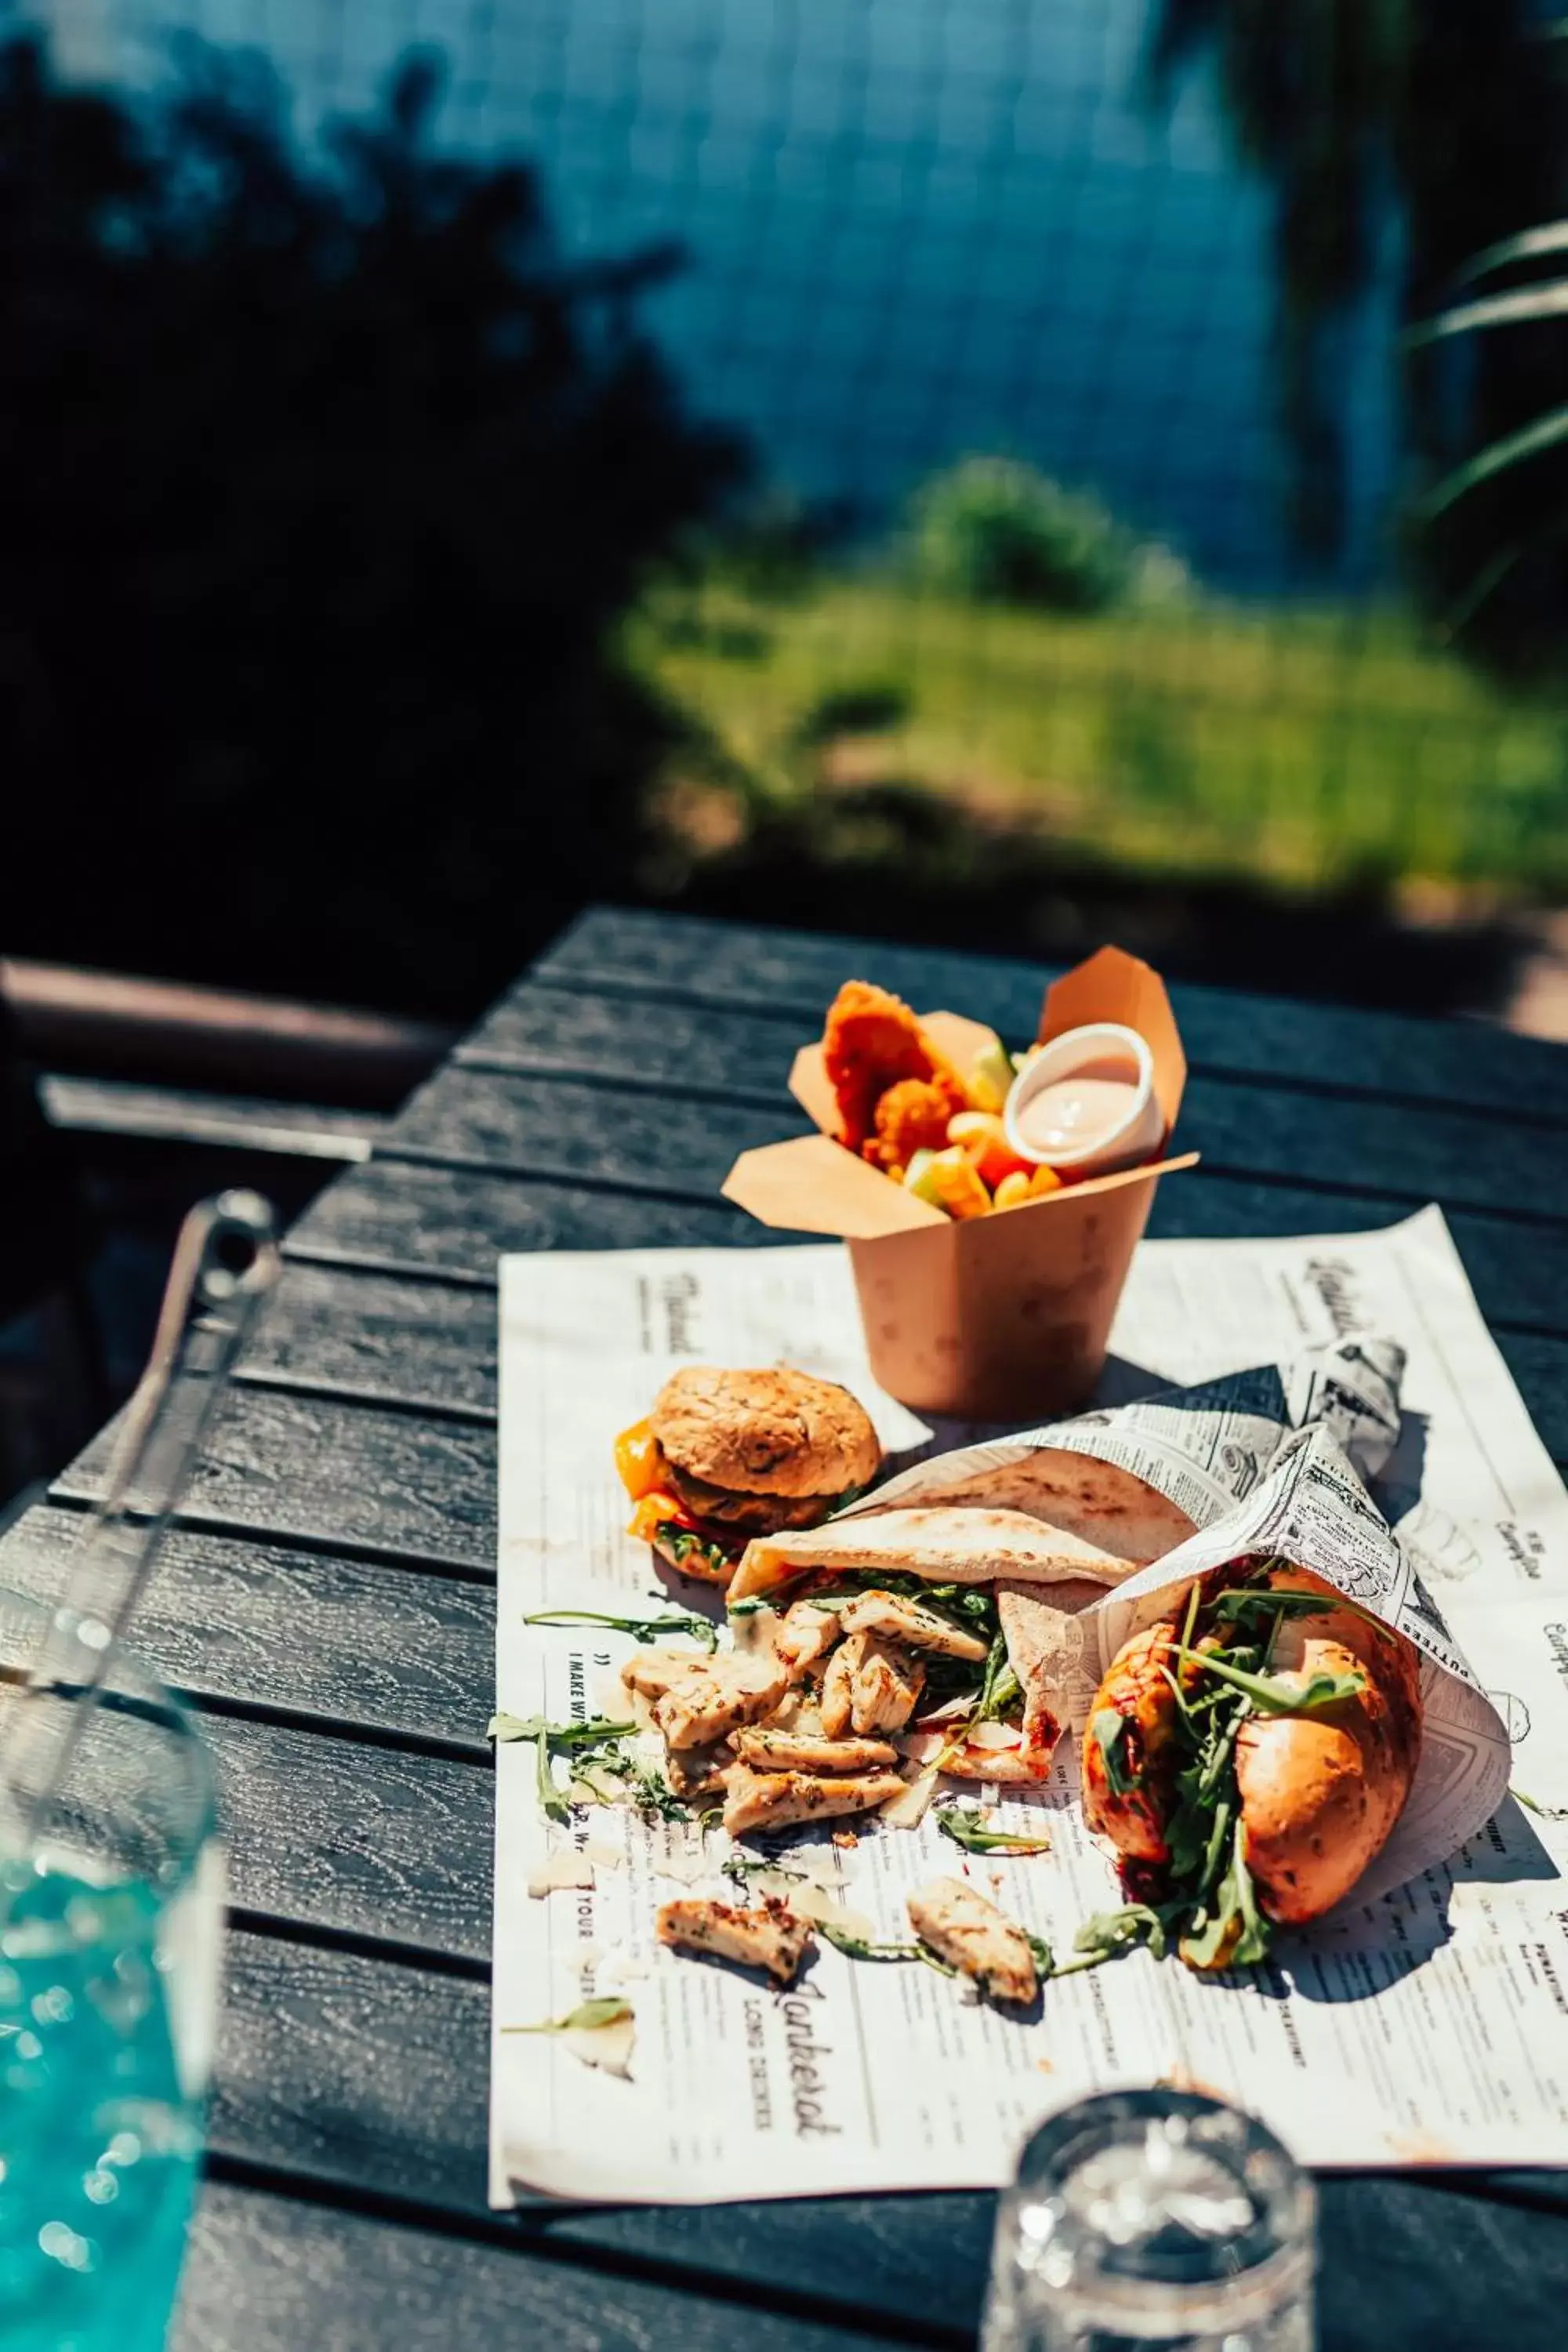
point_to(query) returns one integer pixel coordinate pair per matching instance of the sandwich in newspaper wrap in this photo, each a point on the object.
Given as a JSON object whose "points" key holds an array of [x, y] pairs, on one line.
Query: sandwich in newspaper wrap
{"points": [[1282, 1719]]}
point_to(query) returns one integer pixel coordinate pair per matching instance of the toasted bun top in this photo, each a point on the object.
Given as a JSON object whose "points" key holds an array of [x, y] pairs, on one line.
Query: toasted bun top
{"points": [[1321, 1793], [774, 1432]]}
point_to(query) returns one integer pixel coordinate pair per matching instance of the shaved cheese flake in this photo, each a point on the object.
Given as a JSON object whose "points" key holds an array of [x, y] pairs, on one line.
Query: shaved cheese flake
{"points": [[993, 1735], [602, 1856], [907, 1812], [563, 1867], [813, 1901], [607, 2047], [922, 1747]]}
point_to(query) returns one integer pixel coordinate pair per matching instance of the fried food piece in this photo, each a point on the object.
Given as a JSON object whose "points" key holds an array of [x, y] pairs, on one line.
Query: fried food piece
{"points": [[771, 1938], [774, 1800], [871, 1684], [872, 1041], [916, 1627], [971, 1934], [911, 1117], [717, 1697], [801, 1751]]}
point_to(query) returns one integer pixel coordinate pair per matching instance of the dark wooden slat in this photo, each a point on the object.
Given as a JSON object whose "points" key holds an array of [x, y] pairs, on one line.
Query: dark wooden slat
{"points": [[274, 2273], [572, 1128], [356, 1841], [349, 1641], [542, 1030], [315, 1470], [560, 1127], [456, 1222], [741, 965], [374, 1335]]}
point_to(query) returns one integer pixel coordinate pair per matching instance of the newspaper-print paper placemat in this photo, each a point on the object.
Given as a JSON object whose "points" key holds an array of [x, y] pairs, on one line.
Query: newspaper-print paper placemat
{"points": [[1430, 2024]]}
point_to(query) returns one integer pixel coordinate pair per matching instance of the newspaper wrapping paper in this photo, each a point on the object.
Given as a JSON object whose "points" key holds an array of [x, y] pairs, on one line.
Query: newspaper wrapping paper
{"points": [[1427, 2024]]}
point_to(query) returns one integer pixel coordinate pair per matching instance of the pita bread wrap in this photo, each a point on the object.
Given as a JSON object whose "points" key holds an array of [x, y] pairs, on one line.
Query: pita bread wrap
{"points": [[1043, 1577], [947, 1544]]}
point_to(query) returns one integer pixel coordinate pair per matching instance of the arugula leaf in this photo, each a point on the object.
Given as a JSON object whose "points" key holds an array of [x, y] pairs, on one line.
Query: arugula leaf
{"points": [[588, 2017], [1109, 1731], [1254, 1611], [1270, 1693], [1110, 1933], [652, 1795], [965, 1828], [856, 1947], [647, 1629], [556, 1740], [515, 1726], [681, 1542], [1232, 1933], [739, 1869]]}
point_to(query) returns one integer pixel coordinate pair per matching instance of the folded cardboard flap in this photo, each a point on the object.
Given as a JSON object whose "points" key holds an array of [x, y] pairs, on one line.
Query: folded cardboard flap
{"points": [[812, 1185]]}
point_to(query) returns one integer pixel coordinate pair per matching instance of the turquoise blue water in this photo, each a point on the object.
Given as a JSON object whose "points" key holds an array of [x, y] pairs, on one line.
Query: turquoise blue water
{"points": [[98, 2144]]}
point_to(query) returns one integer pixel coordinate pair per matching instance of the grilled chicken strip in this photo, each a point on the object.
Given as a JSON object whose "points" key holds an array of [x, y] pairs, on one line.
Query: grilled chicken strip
{"points": [[694, 1773], [870, 1685], [805, 1634], [774, 1800], [916, 1627], [969, 1933], [653, 1672], [716, 1696], [800, 1752], [771, 1938]]}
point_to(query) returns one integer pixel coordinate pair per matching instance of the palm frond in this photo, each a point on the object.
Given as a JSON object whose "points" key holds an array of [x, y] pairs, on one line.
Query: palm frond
{"points": [[1511, 449], [1530, 302]]}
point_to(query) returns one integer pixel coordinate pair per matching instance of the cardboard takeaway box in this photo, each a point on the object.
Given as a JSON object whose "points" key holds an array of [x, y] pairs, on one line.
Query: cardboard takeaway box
{"points": [[1003, 1317]]}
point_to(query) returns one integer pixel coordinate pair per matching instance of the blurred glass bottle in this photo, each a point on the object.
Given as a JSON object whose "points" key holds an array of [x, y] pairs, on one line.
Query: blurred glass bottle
{"points": [[1152, 2217]]}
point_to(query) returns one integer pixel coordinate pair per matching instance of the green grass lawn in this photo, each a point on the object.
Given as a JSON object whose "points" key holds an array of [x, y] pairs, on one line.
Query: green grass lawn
{"points": [[1303, 748]]}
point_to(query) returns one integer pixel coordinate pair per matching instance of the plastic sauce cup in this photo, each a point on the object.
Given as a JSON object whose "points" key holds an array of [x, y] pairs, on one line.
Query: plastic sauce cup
{"points": [[1098, 1081]]}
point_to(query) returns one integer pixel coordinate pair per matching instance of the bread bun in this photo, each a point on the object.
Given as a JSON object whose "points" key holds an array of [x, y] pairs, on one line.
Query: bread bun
{"points": [[1321, 1793], [775, 1432]]}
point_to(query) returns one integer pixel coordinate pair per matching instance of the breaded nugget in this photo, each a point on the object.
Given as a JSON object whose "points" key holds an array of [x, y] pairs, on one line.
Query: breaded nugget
{"points": [[911, 1117], [872, 1041]]}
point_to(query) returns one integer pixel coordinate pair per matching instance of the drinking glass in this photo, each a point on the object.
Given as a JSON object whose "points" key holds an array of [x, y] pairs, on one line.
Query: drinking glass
{"points": [[109, 1928], [1152, 2217]]}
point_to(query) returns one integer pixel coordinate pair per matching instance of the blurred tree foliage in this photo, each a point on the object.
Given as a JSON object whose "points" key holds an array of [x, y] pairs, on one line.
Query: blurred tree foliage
{"points": [[996, 531], [1417, 135], [323, 481]]}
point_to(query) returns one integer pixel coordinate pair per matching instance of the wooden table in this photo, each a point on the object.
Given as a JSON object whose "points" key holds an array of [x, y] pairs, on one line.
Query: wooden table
{"points": [[327, 1603]]}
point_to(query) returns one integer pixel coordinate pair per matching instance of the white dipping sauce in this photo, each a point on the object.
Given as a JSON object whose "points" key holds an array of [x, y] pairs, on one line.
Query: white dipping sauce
{"points": [[1074, 1114]]}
